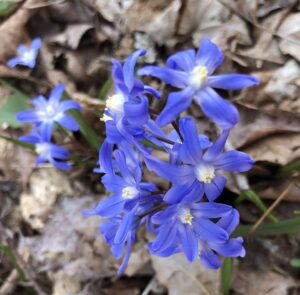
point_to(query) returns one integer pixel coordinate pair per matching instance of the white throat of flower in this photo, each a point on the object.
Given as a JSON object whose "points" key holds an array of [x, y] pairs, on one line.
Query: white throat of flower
{"points": [[129, 192], [28, 55], [205, 173], [185, 216], [105, 118], [198, 77], [116, 103], [50, 110], [42, 148]]}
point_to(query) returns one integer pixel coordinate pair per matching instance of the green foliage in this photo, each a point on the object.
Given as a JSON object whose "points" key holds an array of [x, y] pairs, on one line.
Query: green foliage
{"points": [[289, 226], [295, 262], [253, 197], [105, 88], [17, 101], [6, 7], [11, 257], [225, 275], [18, 142]]}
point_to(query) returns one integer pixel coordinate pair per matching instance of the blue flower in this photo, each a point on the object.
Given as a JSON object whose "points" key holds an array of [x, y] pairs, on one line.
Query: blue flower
{"points": [[194, 171], [184, 226], [124, 181], [50, 111], [47, 151], [27, 56], [188, 229], [127, 110], [193, 73]]}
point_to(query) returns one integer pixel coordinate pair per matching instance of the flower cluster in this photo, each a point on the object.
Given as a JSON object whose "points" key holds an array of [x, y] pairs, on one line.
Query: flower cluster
{"points": [[46, 114], [185, 217]]}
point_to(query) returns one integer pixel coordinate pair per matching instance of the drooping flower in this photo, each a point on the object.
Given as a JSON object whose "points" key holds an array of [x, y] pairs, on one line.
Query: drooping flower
{"points": [[47, 151], [51, 111], [27, 55], [195, 171], [127, 110], [124, 181], [193, 73], [181, 227]]}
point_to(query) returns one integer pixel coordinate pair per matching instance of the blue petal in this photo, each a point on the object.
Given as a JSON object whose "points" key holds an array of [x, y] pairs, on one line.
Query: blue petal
{"points": [[176, 193], [56, 94], [67, 105], [105, 157], [165, 238], [30, 138], [36, 44], [164, 216], [177, 103], [189, 241], [58, 152], [217, 109], [234, 161], [46, 130], [117, 72], [122, 166], [67, 122], [128, 68], [113, 183], [110, 206], [59, 165], [126, 257], [151, 90], [14, 61], [175, 78], [124, 227], [230, 221], [29, 116], [210, 259], [173, 249], [182, 60], [209, 55], [40, 102], [232, 81], [209, 231], [210, 210], [40, 160], [176, 174], [191, 142], [232, 248], [137, 112], [22, 49], [216, 149], [215, 188]]}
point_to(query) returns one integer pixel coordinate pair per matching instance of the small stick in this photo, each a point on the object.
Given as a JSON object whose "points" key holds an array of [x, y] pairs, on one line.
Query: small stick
{"points": [[10, 283], [272, 207]]}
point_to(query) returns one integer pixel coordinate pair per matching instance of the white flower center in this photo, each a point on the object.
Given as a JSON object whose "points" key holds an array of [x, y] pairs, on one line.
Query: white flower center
{"points": [[198, 77], [115, 103], [42, 148], [185, 216], [28, 55], [105, 118], [50, 110], [129, 192], [205, 173]]}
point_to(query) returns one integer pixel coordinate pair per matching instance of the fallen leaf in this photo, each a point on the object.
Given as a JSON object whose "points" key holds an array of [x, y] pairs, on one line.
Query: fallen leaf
{"points": [[181, 277]]}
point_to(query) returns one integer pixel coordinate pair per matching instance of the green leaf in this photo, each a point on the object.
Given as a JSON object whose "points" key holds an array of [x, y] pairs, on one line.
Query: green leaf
{"points": [[289, 168], [253, 197], [289, 226], [225, 275], [90, 135], [17, 101], [18, 142], [295, 262], [5, 7], [105, 88], [11, 257]]}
